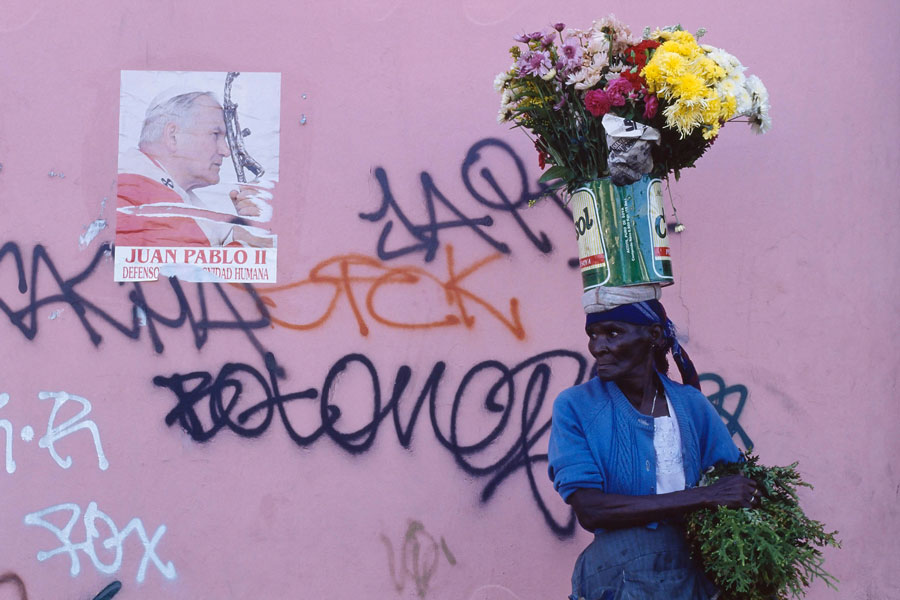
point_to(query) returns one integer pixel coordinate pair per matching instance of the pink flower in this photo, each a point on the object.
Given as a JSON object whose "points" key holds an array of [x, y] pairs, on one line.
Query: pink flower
{"points": [[547, 38], [651, 105], [535, 63], [618, 91], [597, 102], [571, 54]]}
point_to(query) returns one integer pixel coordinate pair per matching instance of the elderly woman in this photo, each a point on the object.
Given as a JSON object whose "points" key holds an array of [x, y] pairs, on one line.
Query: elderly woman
{"points": [[626, 451]]}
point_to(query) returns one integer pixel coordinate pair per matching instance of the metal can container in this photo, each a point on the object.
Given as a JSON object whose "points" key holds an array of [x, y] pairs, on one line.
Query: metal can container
{"points": [[621, 233]]}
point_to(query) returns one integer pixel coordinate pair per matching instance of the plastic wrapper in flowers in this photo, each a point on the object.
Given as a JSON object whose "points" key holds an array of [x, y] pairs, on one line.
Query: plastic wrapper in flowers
{"points": [[563, 81], [769, 552], [630, 145]]}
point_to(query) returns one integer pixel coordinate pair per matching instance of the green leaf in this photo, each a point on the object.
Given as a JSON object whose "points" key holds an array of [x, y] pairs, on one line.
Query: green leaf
{"points": [[557, 172], [767, 552]]}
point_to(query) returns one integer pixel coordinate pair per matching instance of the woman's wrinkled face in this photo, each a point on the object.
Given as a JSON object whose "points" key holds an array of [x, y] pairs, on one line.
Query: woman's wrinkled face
{"points": [[621, 350]]}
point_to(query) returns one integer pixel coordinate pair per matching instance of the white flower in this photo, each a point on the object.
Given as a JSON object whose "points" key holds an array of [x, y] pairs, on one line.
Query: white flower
{"points": [[506, 100], [760, 121], [744, 102], [549, 75], [584, 79], [733, 84], [506, 106], [598, 44], [621, 34], [757, 90], [500, 81], [727, 61]]}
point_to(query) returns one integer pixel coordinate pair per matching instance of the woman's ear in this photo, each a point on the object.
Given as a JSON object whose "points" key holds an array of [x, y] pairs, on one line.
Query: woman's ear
{"points": [[656, 334]]}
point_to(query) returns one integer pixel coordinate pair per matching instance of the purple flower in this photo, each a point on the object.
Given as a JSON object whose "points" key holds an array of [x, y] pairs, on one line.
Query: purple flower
{"points": [[522, 38], [534, 62], [535, 35], [559, 27]]}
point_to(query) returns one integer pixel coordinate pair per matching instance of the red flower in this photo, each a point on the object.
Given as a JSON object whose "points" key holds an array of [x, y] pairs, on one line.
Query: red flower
{"points": [[597, 102], [637, 81], [543, 157], [651, 105], [639, 54], [617, 91]]}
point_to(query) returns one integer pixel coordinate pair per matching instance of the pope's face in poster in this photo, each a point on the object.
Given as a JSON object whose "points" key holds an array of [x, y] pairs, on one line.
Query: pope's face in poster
{"points": [[201, 145]]}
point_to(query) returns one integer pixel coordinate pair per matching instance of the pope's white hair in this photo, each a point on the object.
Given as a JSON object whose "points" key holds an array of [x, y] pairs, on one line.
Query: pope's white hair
{"points": [[174, 110]]}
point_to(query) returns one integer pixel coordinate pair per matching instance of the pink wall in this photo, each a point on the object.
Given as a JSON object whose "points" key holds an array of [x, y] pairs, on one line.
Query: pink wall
{"points": [[786, 279]]}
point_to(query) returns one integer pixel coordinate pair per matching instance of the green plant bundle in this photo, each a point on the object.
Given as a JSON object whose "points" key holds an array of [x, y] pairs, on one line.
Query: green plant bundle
{"points": [[764, 553]]}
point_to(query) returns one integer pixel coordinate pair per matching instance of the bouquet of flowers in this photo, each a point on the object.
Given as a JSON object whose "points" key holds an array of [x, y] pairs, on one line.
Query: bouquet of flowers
{"points": [[763, 553], [664, 92]]}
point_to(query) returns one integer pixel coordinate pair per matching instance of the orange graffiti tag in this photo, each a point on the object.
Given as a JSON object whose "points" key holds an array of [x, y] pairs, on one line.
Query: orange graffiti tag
{"points": [[357, 269]]}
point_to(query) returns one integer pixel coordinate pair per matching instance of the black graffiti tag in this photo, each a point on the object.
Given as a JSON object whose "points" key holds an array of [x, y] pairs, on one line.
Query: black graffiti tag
{"points": [[483, 185], [246, 402], [198, 314]]}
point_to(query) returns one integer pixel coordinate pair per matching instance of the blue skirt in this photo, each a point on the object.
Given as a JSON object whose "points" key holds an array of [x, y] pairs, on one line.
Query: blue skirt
{"points": [[640, 563]]}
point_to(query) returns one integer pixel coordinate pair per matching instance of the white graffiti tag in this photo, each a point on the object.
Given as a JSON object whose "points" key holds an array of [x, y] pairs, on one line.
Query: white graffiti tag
{"points": [[55, 433], [113, 542], [7, 426]]}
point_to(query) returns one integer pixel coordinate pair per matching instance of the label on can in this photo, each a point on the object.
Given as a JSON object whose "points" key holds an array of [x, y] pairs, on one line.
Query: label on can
{"points": [[591, 248], [621, 233], [662, 256]]}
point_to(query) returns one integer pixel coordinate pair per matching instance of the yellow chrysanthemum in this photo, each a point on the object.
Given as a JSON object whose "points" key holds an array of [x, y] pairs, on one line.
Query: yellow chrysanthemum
{"points": [[652, 73], [678, 48], [661, 36], [688, 86], [681, 73], [729, 108], [711, 131], [671, 63], [710, 70], [661, 69], [684, 37], [683, 116], [711, 112]]}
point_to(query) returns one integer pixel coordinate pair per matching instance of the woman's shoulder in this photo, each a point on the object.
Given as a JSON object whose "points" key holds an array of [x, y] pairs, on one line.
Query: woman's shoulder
{"points": [[681, 390], [592, 388], [689, 397], [589, 397]]}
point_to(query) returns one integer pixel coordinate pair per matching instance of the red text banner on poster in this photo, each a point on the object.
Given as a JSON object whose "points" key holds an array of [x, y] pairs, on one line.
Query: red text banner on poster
{"points": [[238, 265]]}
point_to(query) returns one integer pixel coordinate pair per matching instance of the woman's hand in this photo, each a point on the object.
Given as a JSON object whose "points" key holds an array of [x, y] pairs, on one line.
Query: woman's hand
{"points": [[733, 491]]}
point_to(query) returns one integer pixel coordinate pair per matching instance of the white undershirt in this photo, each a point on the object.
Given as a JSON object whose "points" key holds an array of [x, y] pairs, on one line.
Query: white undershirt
{"points": [[669, 460]]}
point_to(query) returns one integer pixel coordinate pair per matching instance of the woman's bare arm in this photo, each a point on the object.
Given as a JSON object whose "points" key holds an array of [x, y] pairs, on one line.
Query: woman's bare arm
{"points": [[596, 509]]}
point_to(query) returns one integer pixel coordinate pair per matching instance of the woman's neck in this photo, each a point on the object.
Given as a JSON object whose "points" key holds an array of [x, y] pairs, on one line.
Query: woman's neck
{"points": [[640, 390]]}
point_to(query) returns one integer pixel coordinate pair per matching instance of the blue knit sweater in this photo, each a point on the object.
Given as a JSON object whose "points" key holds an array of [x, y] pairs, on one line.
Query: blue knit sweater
{"points": [[599, 440]]}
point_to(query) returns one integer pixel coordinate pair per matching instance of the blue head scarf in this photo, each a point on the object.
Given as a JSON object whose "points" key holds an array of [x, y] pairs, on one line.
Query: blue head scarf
{"points": [[651, 312]]}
